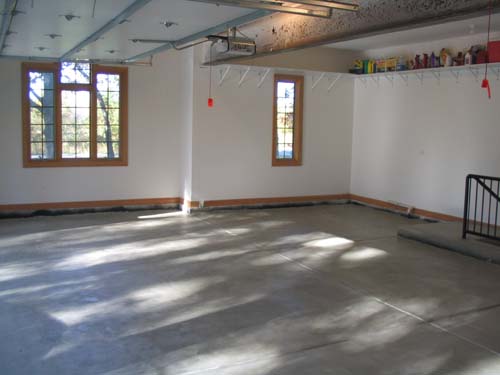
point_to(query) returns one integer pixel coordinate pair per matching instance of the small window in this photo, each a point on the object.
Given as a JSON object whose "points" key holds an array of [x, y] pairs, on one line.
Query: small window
{"points": [[287, 120], [74, 115], [75, 72]]}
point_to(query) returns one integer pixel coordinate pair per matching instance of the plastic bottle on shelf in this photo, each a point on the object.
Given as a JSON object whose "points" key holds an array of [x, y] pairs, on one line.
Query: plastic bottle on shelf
{"points": [[468, 58], [434, 62]]}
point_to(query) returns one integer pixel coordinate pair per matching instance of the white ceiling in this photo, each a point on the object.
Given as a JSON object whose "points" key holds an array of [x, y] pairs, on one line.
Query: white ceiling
{"points": [[446, 30], [31, 29], [42, 17]]}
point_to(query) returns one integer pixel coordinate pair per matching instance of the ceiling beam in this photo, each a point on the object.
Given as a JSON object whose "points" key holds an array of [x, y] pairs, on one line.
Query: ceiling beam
{"points": [[129, 11], [269, 5], [341, 5], [8, 14], [284, 32], [202, 34]]}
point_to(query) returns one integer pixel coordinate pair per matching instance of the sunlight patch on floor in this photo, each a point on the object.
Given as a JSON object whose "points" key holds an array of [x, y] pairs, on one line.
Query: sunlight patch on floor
{"points": [[166, 293], [127, 252], [362, 254], [163, 215], [337, 243]]}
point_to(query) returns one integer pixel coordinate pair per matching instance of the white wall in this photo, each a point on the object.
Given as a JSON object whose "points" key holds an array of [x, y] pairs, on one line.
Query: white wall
{"points": [[232, 141], [154, 149], [415, 144], [179, 147], [412, 144]]}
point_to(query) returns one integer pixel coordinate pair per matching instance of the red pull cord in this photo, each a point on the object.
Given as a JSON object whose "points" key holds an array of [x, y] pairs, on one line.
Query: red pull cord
{"points": [[486, 83]]}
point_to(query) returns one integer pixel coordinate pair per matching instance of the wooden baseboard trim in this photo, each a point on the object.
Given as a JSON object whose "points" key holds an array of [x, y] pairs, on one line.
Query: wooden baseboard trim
{"points": [[88, 204], [395, 207], [190, 204], [269, 201], [30, 207]]}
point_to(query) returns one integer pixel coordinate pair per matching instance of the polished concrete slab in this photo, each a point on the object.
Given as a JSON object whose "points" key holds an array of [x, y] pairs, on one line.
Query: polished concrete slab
{"points": [[314, 290], [449, 236]]}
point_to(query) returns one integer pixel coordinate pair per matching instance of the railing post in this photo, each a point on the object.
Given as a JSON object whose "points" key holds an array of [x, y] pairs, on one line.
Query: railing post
{"points": [[466, 209]]}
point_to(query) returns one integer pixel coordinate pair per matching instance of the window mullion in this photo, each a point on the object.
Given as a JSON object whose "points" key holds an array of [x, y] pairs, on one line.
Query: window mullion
{"points": [[93, 116], [58, 114]]}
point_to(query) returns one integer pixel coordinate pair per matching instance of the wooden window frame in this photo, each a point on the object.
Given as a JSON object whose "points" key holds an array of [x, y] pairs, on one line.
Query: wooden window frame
{"points": [[298, 118], [58, 161]]}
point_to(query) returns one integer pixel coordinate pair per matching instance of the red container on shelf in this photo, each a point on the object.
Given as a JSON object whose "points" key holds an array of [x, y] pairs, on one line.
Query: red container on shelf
{"points": [[481, 57], [494, 51]]}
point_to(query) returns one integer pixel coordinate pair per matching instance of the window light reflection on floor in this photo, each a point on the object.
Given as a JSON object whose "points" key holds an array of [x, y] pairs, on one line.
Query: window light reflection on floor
{"points": [[363, 253], [162, 215], [331, 242]]}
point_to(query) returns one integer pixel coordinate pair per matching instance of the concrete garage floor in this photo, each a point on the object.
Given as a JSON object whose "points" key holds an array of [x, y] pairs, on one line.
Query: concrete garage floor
{"points": [[313, 290]]}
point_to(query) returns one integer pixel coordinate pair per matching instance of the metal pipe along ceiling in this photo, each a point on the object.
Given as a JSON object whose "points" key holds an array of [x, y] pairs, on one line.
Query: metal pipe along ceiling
{"points": [[314, 8]]}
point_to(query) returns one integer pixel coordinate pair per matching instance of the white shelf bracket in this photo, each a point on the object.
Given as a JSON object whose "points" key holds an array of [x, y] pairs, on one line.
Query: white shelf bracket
{"points": [[497, 73], [455, 74], [263, 77], [420, 76], [404, 77], [437, 75], [390, 78], [335, 80], [224, 75], [363, 81], [243, 76], [475, 73], [376, 80], [315, 83]]}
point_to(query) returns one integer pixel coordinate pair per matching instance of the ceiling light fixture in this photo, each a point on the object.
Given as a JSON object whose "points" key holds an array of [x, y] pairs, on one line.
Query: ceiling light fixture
{"points": [[69, 16], [168, 24], [314, 8], [53, 36]]}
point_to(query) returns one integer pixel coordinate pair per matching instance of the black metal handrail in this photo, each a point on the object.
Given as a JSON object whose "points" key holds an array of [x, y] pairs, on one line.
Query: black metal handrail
{"points": [[481, 206]]}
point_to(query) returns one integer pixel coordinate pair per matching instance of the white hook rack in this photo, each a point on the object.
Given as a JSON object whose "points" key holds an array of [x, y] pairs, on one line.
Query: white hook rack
{"points": [[261, 73], [456, 72]]}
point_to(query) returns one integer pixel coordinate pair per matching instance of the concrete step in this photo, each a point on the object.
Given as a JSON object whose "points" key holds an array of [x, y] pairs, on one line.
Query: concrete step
{"points": [[449, 236]]}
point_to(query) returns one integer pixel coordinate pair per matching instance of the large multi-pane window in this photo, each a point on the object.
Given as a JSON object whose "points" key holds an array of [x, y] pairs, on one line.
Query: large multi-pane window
{"points": [[287, 120], [75, 114]]}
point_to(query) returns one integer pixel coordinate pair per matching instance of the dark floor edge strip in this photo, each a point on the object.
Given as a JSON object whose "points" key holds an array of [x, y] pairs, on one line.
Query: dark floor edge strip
{"points": [[445, 246]]}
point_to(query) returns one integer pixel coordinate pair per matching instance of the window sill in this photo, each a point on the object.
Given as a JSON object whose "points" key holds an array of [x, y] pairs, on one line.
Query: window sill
{"points": [[74, 163], [287, 163]]}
